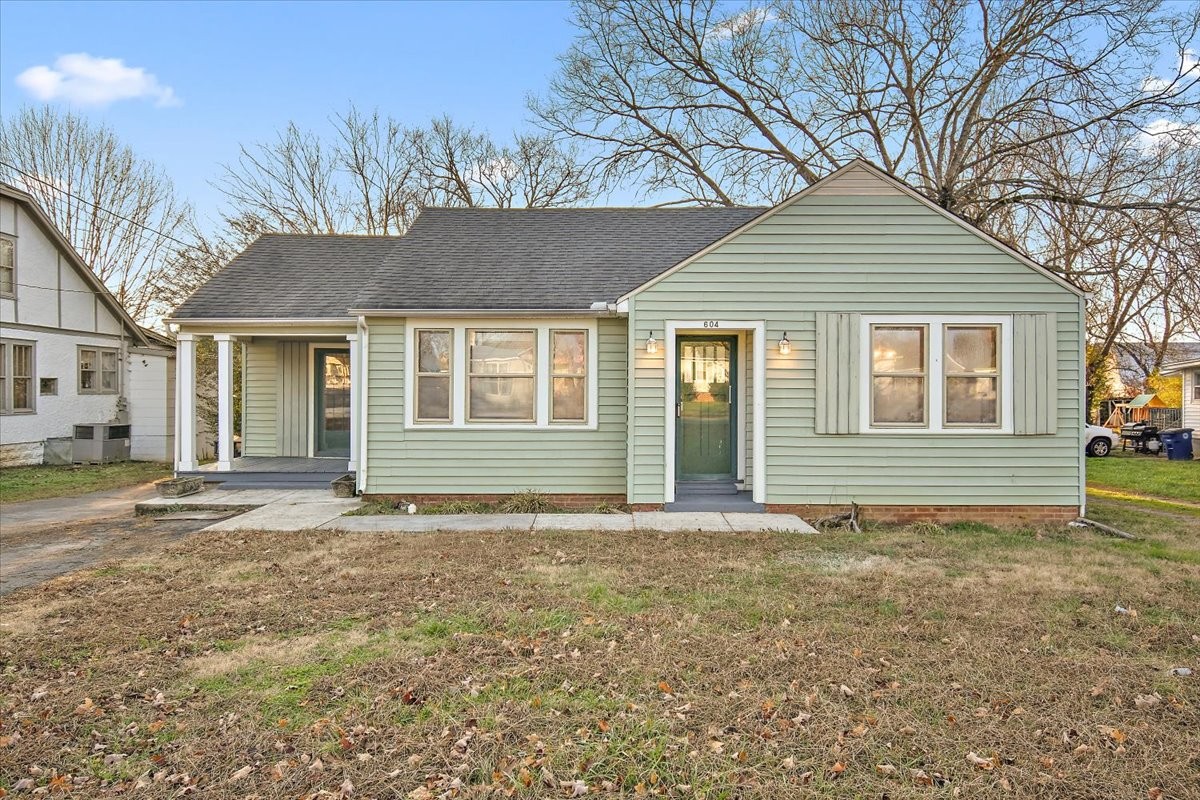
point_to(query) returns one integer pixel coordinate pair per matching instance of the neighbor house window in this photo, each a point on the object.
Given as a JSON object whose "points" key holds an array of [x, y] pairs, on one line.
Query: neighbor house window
{"points": [[16, 377], [898, 375], [501, 375], [8, 266], [971, 366], [97, 370], [434, 365], [568, 376], [1196, 385]]}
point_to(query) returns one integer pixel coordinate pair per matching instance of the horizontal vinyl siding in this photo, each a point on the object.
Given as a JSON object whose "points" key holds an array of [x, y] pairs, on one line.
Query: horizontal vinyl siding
{"points": [[853, 252], [258, 401], [424, 461]]}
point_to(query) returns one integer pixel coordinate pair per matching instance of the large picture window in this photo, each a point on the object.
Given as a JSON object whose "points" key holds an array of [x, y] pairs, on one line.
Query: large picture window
{"points": [[568, 376], [16, 378], [496, 373], [435, 351], [98, 370], [898, 375], [501, 375], [941, 374]]}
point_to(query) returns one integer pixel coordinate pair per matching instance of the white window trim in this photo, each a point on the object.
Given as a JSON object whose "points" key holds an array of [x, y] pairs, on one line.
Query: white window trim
{"points": [[935, 378], [458, 372]]}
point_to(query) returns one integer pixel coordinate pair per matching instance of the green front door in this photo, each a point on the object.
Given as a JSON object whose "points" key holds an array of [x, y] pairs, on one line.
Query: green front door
{"points": [[706, 408], [331, 403]]}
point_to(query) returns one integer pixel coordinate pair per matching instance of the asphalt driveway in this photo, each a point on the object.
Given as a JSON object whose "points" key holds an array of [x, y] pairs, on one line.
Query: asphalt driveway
{"points": [[42, 539]]}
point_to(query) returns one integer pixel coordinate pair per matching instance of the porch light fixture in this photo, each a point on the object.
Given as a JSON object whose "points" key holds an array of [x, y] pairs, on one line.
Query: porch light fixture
{"points": [[651, 344], [785, 345]]}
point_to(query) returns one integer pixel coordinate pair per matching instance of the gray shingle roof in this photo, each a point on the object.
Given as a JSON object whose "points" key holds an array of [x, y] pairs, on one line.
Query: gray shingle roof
{"points": [[463, 258], [290, 276], [504, 259]]}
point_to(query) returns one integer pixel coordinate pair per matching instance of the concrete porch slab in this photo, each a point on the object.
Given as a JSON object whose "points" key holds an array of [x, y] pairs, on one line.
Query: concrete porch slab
{"points": [[215, 500], [671, 522], [417, 523], [583, 522]]}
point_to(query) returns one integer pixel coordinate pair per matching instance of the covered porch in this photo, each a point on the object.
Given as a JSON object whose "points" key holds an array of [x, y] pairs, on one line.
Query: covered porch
{"points": [[290, 395]]}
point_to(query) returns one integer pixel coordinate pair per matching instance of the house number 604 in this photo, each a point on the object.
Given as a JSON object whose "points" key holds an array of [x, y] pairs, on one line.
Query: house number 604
{"points": [[711, 323]]}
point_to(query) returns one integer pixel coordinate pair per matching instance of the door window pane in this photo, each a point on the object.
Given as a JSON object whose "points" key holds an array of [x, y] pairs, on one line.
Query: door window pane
{"points": [[971, 367], [569, 367], [434, 362], [501, 383], [898, 359]]}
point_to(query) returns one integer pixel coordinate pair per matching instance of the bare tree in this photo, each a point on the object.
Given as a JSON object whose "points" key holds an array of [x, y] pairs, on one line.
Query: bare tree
{"points": [[118, 210], [1043, 123], [725, 104]]}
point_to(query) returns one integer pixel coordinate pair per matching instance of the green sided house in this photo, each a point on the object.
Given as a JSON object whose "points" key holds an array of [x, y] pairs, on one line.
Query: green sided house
{"points": [[853, 343]]}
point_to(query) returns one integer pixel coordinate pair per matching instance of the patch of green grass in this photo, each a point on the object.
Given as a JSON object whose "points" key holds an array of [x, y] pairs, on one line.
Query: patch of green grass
{"points": [[1146, 475], [534, 621], [39, 483], [607, 599]]}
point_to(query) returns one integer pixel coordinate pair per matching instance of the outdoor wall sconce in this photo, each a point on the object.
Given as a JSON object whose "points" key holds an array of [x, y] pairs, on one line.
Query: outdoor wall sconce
{"points": [[651, 344], [785, 345]]}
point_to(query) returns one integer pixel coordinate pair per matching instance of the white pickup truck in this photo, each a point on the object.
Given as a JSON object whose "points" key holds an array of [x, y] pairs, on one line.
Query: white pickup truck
{"points": [[1098, 441]]}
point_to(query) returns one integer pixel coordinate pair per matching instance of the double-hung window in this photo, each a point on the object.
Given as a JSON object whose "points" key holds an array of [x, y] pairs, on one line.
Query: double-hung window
{"points": [[899, 358], [435, 351], [971, 366], [98, 370], [568, 376], [492, 374], [946, 375], [16, 378], [1196, 386]]}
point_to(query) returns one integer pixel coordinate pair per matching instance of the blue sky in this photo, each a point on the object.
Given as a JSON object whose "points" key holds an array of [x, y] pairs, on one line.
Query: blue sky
{"points": [[226, 73]]}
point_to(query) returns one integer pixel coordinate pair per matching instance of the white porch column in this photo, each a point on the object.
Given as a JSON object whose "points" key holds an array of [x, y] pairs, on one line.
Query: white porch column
{"points": [[224, 401], [355, 383], [185, 402]]}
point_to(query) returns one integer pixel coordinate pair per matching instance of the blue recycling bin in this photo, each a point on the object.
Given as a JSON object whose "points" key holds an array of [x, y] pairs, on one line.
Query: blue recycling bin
{"points": [[1178, 443]]}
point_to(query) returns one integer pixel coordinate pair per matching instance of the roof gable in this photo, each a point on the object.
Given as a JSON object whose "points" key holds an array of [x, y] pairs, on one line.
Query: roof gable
{"points": [[861, 178], [72, 257]]}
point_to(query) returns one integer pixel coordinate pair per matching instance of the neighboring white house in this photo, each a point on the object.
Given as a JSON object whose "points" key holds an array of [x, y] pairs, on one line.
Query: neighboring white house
{"points": [[1190, 372], [69, 353]]}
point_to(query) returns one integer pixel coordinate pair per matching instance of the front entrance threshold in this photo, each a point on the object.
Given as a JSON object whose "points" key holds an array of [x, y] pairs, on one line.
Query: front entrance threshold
{"points": [[691, 496]]}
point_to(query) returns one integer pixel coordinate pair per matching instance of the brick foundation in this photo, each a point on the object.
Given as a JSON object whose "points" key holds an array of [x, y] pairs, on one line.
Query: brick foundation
{"points": [[991, 515], [581, 502]]}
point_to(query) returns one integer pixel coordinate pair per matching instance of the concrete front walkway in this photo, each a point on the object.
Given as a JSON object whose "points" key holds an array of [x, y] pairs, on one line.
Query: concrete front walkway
{"points": [[706, 521], [294, 510]]}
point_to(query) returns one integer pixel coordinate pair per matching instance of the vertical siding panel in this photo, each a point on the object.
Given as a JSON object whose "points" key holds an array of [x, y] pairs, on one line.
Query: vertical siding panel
{"points": [[259, 403], [292, 401]]}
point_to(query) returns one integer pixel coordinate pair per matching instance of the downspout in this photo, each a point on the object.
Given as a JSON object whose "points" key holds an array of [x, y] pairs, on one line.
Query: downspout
{"points": [[1079, 428]]}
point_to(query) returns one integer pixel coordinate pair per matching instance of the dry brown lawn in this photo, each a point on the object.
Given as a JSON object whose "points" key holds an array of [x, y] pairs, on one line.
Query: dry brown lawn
{"points": [[903, 662]]}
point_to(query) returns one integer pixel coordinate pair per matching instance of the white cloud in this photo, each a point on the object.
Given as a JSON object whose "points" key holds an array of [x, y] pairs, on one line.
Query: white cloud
{"points": [[89, 81], [1189, 67], [742, 22], [1165, 133]]}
